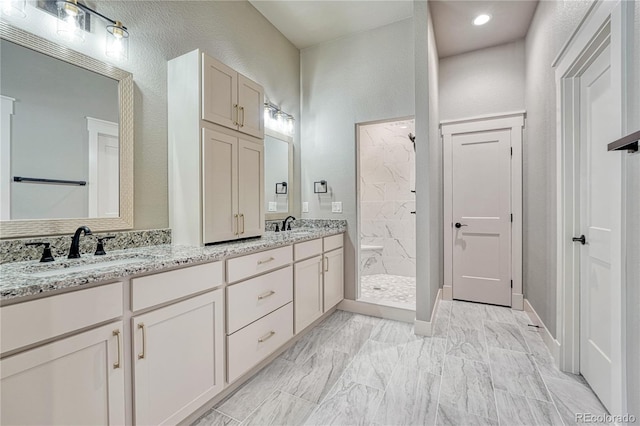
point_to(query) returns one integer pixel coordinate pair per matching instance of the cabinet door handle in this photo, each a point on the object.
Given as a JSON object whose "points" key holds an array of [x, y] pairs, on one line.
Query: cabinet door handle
{"points": [[325, 260], [242, 111], [236, 232], [117, 334], [242, 217], [267, 260], [267, 336], [235, 122], [143, 354], [266, 294]]}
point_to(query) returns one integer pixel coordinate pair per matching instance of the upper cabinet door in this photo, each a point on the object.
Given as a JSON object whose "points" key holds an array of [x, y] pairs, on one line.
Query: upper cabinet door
{"points": [[251, 105], [219, 93], [219, 186], [250, 189]]}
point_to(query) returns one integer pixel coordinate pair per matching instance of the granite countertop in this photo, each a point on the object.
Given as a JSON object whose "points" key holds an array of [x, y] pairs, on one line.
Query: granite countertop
{"points": [[31, 278]]}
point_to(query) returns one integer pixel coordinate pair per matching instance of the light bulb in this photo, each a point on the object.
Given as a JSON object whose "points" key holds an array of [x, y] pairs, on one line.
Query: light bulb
{"points": [[117, 41], [481, 19], [70, 21]]}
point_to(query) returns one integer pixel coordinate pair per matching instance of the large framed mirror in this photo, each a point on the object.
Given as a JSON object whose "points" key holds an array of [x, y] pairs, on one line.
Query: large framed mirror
{"points": [[66, 155], [278, 175]]}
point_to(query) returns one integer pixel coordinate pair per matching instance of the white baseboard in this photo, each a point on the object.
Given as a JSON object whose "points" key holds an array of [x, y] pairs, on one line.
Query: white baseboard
{"points": [[552, 344], [447, 292], [380, 311], [425, 328], [517, 301]]}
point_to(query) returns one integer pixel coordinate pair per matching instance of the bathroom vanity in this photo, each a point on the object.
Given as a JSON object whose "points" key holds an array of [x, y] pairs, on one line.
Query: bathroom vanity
{"points": [[157, 332]]}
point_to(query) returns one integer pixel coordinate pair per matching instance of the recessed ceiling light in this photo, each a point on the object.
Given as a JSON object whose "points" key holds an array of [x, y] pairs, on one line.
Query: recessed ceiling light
{"points": [[481, 19]]}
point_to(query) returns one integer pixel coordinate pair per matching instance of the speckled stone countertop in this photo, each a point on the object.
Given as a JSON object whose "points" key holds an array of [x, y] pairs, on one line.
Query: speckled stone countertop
{"points": [[31, 278]]}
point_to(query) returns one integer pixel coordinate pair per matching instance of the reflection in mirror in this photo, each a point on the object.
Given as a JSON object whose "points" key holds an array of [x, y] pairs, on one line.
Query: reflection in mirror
{"points": [[64, 127], [67, 118], [276, 159]]}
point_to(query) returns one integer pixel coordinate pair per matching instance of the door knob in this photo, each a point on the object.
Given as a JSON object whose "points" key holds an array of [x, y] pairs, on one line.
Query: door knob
{"points": [[581, 238], [460, 225]]}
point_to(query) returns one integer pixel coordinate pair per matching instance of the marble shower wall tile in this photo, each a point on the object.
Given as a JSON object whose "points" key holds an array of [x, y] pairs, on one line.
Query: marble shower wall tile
{"points": [[387, 174], [16, 251]]}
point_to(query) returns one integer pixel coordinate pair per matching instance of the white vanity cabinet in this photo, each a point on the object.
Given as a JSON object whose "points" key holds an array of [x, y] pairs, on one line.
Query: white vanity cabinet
{"points": [[232, 182], [308, 292], [178, 350], [231, 99], [73, 380], [216, 152], [333, 271]]}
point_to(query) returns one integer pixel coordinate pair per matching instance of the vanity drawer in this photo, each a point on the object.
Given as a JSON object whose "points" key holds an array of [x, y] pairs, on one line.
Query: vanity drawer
{"points": [[27, 323], [254, 264], [307, 249], [167, 286], [333, 242], [252, 299], [255, 342]]}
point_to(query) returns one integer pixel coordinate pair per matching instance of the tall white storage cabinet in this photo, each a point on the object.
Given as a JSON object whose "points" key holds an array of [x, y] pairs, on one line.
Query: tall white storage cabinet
{"points": [[216, 152]]}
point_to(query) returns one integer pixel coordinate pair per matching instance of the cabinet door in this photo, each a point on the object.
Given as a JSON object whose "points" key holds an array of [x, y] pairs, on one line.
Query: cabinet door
{"points": [[219, 93], [333, 278], [251, 101], [219, 186], [250, 189], [74, 381], [178, 359], [307, 292]]}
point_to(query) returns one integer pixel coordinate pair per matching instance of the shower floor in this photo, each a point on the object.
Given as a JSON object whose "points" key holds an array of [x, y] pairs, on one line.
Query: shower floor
{"points": [[390, 290]]}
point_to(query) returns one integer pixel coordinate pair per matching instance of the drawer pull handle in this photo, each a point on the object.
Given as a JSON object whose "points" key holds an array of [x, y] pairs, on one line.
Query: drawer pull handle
{"points": [[267, 260], [236, 121], [242, 122], [142, 327], [267, 294], [267, 336], [242, 217], [117, 334], [326, 263], [236, 232]]}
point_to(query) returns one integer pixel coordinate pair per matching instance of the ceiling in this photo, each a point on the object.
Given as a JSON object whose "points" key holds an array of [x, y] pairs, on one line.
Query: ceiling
{"points": [[455, 33], [309, 22]]}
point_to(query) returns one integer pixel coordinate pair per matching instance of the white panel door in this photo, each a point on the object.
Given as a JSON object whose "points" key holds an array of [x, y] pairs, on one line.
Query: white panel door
{"points": [[333, 278], [250, 189], [600, 216], [74, 381], [178, 359], [219, 186], [108, 176], [481, 230], [251, 101], [307, 292], [219, 93]]}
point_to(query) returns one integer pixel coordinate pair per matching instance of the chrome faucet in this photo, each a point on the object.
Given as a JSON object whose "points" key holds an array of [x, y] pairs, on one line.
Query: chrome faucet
{"points": [[74, 250], [284, 223]]}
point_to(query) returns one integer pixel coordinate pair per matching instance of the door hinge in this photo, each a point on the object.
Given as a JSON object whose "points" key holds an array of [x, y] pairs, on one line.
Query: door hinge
{"points": [[511, 283], [511, 217], [512, 151]]}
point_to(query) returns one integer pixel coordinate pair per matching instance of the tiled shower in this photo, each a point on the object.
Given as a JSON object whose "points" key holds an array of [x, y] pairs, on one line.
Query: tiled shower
{"points": [[387, 203]]}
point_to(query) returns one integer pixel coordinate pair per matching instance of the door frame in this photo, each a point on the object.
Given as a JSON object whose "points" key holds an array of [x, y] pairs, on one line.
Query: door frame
{"points": [[605, 22], [95, 128], [514, 121]]}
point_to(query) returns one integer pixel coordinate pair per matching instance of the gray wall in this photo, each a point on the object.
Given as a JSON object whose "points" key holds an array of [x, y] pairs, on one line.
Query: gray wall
{"points": [[49, 137], [633, 228], [553, 23], [364, 77], [233, 32], [485, 81]]}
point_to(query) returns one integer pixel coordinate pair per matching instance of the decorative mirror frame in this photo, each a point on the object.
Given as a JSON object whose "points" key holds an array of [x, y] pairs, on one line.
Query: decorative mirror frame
{"points": [[36, 227], [291, 199]]}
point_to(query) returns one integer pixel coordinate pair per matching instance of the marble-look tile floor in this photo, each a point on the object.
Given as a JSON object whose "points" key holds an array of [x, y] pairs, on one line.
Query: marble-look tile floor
{"points": [[390, 290], [484, 366]]}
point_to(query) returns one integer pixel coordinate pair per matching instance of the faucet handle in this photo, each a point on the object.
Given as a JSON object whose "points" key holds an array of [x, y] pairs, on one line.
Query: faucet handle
{"points": [[46, 252], [100, 248]]}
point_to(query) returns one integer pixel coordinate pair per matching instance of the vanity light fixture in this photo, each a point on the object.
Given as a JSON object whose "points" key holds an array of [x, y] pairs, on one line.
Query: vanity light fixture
{"points": [[14, 8], [278, 120], [71, 26], [481, 19], [117, 41]]}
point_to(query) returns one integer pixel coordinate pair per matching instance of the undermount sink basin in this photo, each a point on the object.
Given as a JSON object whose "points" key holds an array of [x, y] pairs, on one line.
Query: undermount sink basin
{"points": [[72, 266]]}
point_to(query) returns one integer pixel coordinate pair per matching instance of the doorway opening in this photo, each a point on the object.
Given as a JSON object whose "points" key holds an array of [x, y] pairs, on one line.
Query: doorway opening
{"points": [[386, 207]]}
